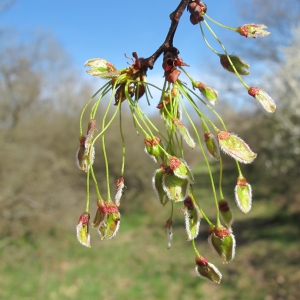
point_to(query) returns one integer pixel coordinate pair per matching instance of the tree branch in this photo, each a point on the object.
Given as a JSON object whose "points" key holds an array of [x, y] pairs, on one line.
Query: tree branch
{"points": [[168, 43]]}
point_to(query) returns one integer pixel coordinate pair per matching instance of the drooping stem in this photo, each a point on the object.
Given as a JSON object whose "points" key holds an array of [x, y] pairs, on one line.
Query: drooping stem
{"points": [[228, 57], [87, 205], [123, 143], [221, 179]]}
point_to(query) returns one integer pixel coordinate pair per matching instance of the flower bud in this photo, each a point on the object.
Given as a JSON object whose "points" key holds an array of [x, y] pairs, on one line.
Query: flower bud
{"points": [[153, 148], [81, 161], [174, 91], [265, 100], [192, 7], [101, 68], [168, 64], [235, 147], [165, 100], [84, 156], [206, 270], [169, 61], [180, 168], [168, 110], [91, 128], [120, 94], [212, 145], [176, 188], [111, 227], [169, 232], [107, 219], [203, 7], [240, 65], [120, 187], [89, 135], [100, 216], [226, 213], [197, 10], [192, 218], [82, 230], [172, 76], [208, 93], [243, 194], [222, 241], [196, 18], [253, 30], [184, 133], [157, 184], [197, 7], [178, 62]]}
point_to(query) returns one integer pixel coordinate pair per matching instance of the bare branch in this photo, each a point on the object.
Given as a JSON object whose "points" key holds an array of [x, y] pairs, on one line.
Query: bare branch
{"points": [[168, 43]]}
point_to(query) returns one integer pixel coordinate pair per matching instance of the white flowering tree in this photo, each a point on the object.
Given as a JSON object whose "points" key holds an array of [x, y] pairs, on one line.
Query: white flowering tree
{"points": [[173, 179], [280, 133], [282, 151]]}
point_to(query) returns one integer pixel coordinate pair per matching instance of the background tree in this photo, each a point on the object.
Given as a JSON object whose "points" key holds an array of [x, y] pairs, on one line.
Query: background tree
{"points": [[281, 17], [278, 135]]}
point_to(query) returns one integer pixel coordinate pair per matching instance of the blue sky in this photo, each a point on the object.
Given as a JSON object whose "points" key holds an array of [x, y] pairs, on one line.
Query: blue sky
{"points": [[108, 29]]}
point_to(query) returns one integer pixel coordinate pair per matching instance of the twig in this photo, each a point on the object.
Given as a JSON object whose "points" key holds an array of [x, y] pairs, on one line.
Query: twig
{"points": [[168, 43]]}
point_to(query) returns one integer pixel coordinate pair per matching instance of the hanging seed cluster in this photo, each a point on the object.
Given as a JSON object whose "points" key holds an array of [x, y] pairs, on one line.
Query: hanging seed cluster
{"points": [[173, 180]]}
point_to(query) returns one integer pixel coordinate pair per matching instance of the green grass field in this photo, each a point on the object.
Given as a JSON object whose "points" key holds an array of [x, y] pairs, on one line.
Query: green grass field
{"points": [[136, 264], [49, 263]]}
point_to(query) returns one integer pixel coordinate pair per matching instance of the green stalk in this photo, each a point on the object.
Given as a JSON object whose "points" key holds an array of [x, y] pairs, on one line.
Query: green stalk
{"points": [[172, 210], [110, 121], [239, 169], [103, 142], [205, 217], [123, 144], [205, 127], [207, 164], [206, 42], [96, 105], [232, 65], [150, 123], [140, 126], [145, 133], [84, 108], [208, 106], [195, 249], [224, 26], [195, 106], [221, 179], [140, 114], [106, 168], [87, 205], [96, 184]]}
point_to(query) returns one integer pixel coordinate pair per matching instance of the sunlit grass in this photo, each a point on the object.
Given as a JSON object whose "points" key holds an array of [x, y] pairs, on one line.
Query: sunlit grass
{"points": [[136, 264]]}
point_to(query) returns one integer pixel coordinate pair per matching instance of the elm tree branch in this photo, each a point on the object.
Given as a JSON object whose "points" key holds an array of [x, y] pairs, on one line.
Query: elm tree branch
{"points": [[168, 43]]}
